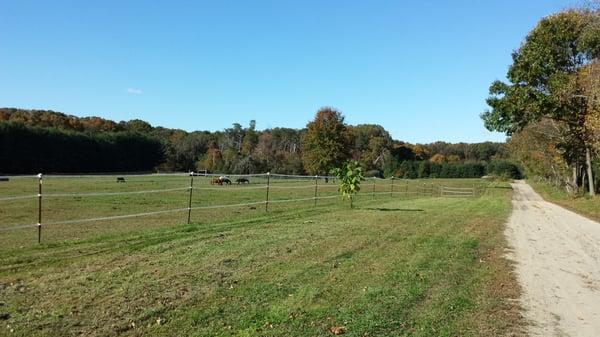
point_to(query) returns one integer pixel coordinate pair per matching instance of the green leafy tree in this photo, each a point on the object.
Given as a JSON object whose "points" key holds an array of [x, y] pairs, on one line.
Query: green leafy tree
{"points": [[350, 174], [327, 142], [372, 144], [543, 81]]}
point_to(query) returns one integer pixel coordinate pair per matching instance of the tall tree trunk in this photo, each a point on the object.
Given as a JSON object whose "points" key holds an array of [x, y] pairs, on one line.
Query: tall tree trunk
{"points": [[590, 174], [575, 177]]}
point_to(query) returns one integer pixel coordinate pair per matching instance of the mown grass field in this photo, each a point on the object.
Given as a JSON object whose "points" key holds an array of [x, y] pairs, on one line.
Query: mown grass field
{"points": [[584, 205], [75, 198], [393, 266]]}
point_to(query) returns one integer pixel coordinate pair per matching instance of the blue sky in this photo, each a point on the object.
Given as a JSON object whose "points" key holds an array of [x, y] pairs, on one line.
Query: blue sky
{"points": [[421, 69]]}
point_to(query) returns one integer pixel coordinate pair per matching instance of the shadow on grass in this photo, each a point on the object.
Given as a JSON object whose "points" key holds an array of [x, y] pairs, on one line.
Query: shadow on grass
{"points": [[395, 209]]}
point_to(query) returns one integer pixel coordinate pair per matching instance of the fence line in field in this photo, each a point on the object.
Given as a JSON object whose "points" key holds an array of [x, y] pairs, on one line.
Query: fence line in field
{"points": [[8, 229], [457, 192], [230, 189], [101, 194], [18, 197], [403, 189]]}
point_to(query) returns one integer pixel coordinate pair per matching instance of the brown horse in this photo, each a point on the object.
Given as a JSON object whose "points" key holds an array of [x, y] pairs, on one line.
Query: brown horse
{"points": [[220, 181]]}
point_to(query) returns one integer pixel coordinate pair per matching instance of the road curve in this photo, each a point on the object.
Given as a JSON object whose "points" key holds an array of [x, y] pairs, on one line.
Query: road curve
{"points": [[557, 263]]}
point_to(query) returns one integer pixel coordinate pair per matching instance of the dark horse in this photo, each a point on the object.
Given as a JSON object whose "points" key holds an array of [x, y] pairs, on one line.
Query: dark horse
{"points": [[242, 181]]}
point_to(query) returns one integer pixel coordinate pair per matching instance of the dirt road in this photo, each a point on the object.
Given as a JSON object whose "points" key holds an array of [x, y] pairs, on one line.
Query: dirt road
{"points": [[557, 255]]}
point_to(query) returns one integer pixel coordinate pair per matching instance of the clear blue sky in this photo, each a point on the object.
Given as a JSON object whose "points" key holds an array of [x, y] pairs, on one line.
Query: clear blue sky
{"points": [[421, 69]]}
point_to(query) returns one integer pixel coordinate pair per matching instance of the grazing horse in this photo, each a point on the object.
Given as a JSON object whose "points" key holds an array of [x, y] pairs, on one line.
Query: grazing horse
{"points": [[242, 181], [120, 179], [220, 181]]}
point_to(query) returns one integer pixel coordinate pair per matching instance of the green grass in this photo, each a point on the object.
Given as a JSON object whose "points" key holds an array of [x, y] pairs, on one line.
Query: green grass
{"points": [[390, 267], [67, 208], [584, 205]]}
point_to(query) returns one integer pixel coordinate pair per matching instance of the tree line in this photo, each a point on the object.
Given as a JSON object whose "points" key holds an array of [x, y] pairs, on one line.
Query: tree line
{"points": [[30, 149], [550, 105], [47, 141]]}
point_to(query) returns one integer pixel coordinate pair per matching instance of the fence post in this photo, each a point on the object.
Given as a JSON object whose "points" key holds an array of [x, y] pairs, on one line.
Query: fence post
{"points": [[268, 184], [316, 188], [406, 190], [190, 200], [392, 188], [39, 224]]}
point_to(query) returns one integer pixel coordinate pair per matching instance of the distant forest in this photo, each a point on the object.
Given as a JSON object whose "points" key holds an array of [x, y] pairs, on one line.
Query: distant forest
{"points": [[45, 141]]}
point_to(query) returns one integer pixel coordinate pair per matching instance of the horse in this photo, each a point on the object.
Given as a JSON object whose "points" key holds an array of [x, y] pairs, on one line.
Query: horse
{"points": [[216, 181], [120, 179], [225, 181], [242, 181]]}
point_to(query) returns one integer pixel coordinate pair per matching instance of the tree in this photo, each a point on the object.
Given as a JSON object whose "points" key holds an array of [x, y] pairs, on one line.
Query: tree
{"points": [[589, 81], [138, 125], [437, 158], [592, 93], [250, 139], [372, 145], [536, 147], [327, 142], [542, 82], [453, 158], [350, 174], [402, 151]]}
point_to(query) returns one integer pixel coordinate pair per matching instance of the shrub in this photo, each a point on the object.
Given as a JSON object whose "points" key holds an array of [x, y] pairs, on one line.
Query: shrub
{"points": [[504, 169]]}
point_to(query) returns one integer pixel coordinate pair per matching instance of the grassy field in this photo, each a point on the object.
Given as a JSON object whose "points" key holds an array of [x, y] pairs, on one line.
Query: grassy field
{"points": [[584, 205], [397, 266], [68, 199]]}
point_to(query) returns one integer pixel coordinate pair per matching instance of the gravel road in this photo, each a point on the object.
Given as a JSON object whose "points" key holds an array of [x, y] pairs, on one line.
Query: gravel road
{"points": [[557, 261]]}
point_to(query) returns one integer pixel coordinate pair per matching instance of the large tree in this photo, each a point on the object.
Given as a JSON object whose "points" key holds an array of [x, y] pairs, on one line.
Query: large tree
{"points": [[372, 144], [327, 142], [591, 83], [543, 83], [535, 147]]}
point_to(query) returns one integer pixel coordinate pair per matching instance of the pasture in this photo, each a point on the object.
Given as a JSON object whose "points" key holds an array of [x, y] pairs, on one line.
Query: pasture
{"points": [[81, 207], [401, 264]]}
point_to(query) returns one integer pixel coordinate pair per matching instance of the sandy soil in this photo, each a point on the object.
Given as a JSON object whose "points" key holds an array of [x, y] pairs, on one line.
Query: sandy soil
{"points": [[557, 255]]}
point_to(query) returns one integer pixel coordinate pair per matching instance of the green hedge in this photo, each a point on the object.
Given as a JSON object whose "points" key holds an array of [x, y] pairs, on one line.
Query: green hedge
{"points": [[26, 149], [467, 169]]}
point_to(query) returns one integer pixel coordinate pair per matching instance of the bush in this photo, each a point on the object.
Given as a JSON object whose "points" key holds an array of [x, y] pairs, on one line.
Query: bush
{"points": [[427, 169], [504, 169], [373, 173]]}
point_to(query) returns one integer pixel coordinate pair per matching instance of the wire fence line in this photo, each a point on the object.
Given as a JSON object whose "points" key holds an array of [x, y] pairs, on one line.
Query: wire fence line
{"points": [[101, 194], [18, 197], [8, 229], [371, 187]]}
